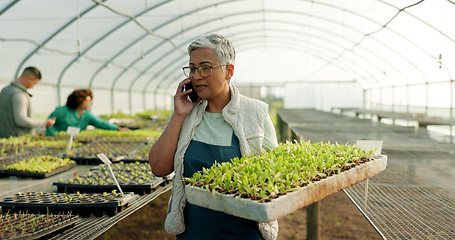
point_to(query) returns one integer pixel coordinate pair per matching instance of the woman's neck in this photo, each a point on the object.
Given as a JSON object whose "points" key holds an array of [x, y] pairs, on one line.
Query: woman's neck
{"points": [[80, 111], [216, 105]]}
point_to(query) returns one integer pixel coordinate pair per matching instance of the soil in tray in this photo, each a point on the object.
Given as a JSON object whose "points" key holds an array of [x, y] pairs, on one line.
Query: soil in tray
{"points": [[113, 139], [143, 188], [31, 226], [141, 153], [83, 204], [92, 159], [137, 181], [130, 166], [126, 166], [111, 149]]}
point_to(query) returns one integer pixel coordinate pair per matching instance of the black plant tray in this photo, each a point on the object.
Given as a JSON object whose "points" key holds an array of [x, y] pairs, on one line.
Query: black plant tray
{"points": [[89, 151], [127, 139], [32, 153], [125, 166], [14, 158], [91, 159], [83, 204], [130, 160], [30, 226], [141, 189], [36, 174]]}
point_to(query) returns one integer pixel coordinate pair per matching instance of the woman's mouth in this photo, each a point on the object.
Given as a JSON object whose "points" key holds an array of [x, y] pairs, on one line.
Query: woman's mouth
{"points": [[200, 87]]}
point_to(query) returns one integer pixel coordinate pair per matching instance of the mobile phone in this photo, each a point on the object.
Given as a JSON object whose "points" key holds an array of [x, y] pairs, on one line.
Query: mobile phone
{"points": [[192, 95]]}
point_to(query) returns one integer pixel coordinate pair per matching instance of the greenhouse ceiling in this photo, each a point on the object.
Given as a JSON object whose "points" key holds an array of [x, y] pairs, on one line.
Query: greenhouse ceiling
{"points": [[139, 46]]}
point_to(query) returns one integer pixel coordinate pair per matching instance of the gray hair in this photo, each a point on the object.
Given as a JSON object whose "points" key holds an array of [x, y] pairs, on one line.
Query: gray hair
{"points": [[223, 47]]}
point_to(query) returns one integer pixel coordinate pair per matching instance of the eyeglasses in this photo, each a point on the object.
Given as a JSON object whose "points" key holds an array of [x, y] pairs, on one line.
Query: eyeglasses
{"points": [[204, 71]]}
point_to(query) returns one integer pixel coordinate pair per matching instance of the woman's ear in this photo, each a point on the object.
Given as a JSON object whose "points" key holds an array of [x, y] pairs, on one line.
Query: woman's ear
{"points": [[229, 71]]}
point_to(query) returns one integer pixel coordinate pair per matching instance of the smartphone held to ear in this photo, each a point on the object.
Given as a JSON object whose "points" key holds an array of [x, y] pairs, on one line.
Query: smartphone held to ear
{"points": [[192, 95]]}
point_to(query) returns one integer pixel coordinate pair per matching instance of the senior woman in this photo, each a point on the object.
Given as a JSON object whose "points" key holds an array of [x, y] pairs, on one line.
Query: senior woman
{"points": [[76, 113], [220, 125]]}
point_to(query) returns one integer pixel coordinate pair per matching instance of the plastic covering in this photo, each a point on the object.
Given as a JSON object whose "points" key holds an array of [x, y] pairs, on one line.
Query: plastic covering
{"points": [[399, 53]]}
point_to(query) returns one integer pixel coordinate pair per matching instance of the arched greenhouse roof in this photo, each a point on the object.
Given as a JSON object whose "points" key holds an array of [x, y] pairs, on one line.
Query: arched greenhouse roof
{"points": [[137, 47]]}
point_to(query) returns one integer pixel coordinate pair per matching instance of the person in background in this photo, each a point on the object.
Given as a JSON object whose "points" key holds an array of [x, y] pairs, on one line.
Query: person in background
{"points": [[16, 109], [220, 125], [76, 113]]}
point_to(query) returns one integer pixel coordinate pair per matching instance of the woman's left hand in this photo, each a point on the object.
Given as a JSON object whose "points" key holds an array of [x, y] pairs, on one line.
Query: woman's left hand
{"points": [[124, 129]]}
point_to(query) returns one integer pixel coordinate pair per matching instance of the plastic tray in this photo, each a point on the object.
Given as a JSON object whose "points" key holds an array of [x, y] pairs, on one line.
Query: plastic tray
{"points": [[59, 203], [141, 189], [127, 166], [35, 174], [283, 205], [36, 226], [91, 159]]}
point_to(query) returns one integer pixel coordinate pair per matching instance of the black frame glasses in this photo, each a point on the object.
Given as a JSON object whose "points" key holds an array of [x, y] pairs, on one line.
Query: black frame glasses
{"points": [[204, 71]]}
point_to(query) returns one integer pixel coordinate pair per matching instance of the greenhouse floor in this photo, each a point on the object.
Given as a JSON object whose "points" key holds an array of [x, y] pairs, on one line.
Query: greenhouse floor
{"points": [[414, 198]]}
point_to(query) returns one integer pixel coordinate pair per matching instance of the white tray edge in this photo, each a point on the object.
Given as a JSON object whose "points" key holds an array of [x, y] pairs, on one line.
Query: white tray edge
{"points": [[264, 212]]}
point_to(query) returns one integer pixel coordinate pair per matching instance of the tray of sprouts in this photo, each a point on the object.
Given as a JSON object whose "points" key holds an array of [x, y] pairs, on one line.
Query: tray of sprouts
{"points": [[24, 225], [37, 166], [278, 182], [83, 204], [137, 180]]}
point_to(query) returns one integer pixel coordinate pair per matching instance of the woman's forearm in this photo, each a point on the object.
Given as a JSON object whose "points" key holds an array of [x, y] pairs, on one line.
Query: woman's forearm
{"points": [[161, 155]]}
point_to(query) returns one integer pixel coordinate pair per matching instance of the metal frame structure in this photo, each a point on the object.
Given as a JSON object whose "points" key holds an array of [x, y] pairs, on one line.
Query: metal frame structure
{"points": [[353, 38]]}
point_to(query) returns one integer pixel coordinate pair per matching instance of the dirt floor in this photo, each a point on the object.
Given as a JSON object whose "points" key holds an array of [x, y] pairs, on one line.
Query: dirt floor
{"points": [[339, 219]]}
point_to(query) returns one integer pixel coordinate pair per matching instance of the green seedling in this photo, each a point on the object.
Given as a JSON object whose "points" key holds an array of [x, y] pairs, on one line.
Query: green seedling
{"points": [[276, 172]]}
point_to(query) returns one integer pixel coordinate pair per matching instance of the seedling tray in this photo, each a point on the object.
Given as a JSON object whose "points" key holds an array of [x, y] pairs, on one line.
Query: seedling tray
{"points": [[125, 166], [91, 159], [127, 139], [137, 181], [141, 189], [133, 165], [140, 154], [58, 203], [113, 148], [285, 204], [30, 226], [130, 160], [13, 158], [36, 174]]}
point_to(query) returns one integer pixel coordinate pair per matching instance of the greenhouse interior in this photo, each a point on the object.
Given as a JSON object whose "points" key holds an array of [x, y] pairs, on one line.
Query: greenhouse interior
{"points": [[364, 89]]}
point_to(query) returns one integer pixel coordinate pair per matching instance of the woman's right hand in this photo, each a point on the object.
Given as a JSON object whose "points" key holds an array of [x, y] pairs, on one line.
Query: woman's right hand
{"points": [[161, 155], [183, 106]]}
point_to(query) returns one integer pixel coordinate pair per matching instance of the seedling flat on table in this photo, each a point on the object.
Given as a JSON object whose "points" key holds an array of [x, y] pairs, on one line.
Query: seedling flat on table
{"points": [[87, 154], [30, 226], [92, 185], [283, 205], [35, 174], [83, 204], [37, 166]]}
